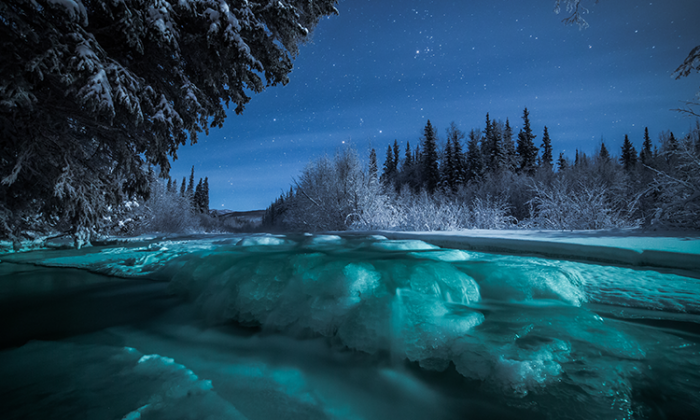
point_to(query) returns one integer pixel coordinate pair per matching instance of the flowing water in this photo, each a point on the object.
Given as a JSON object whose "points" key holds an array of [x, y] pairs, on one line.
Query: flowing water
{"points": [[324, 327]]}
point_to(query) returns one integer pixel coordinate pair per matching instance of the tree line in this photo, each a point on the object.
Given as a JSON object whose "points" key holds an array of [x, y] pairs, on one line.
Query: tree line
{"points": [[495, 178]]}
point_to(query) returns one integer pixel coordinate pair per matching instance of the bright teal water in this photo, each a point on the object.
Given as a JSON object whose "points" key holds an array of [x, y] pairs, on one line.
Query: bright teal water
{"points": [[308, 327]]}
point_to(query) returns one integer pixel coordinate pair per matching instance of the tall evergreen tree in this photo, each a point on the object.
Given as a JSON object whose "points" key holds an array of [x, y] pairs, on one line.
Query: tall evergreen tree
{"points": [[183, 186], [373, 170], [546, 150], [397, 156], [447, 167], [458, 170], [603, 153], [408, 159], [562, 163], [429, 161], [527, 152], [474, 165], [628, 158], [509, 148], [197, 197], [388, 172], [646, 153], [491, 146], [205, 196], [190, 186]]}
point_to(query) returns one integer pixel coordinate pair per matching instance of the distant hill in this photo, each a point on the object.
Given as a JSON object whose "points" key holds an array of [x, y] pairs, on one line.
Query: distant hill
{"points": [[239, 219]]}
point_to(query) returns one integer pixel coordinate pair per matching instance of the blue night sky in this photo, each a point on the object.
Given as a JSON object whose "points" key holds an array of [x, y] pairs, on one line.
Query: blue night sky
{"points": [[381, 69]]}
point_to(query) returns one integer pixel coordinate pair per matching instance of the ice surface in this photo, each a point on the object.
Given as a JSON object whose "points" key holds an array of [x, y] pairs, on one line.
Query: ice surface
{"points": [[525, 331], [101, 382]]}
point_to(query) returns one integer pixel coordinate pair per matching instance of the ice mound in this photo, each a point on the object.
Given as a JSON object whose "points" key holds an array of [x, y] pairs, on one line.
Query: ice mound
{"points": [[402, 245], [263, 241], [93, 381], [535, 280], [446, 255]]}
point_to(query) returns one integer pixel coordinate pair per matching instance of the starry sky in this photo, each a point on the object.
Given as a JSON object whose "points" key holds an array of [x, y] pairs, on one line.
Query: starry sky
{"points": [[381, 68]]}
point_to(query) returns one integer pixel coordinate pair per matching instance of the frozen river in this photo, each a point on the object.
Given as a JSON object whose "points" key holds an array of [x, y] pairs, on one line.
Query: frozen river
{"points": [[329, 327]]}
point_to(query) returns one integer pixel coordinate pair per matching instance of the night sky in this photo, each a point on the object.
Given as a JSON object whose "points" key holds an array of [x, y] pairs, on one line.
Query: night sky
{"points": [[381, 69]]}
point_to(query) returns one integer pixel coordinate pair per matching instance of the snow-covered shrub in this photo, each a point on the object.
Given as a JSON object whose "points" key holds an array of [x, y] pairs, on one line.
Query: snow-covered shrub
{"points": [[164, 211], [423, 212], [563, 206], [328, 194], [490, 213], [677, 190]]}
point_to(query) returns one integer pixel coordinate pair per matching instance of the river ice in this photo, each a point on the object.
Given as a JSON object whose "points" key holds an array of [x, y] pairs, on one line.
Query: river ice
{"points": [[324, 326]]}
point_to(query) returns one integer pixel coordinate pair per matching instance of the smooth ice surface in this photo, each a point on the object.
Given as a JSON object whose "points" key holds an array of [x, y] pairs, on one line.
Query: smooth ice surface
{"points": [[328, 326]]}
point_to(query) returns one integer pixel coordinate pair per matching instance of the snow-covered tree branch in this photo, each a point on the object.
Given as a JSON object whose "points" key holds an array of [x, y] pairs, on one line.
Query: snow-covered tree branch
{"points": [[92, 90]]}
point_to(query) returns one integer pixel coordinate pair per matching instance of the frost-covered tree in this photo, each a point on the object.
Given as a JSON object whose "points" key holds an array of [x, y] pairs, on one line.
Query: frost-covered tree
{"points": [[690, 64], [91, 90], [373, 170], [329, 194]]}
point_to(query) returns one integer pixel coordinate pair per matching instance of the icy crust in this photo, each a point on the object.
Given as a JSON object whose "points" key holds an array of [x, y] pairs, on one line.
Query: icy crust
{"points": [[518, 324], [409, 299], [100, 382]]}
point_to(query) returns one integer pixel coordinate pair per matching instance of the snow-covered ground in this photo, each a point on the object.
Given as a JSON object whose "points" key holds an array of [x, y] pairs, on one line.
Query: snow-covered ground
{"points": [[662, 249]]}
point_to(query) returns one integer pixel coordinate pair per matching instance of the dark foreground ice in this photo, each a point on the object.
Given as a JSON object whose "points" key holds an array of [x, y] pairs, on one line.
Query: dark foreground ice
{"points": [[324, 327]]}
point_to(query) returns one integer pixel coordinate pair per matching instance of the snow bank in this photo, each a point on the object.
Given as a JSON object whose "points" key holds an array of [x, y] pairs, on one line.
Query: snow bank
{"points": [[624, 246]]}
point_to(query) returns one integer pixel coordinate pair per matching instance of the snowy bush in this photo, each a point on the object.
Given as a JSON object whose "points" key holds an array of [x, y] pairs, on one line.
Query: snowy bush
{"points": [[164, 211], [677, 190], [560, 206], [491, 213], [328, 194]]}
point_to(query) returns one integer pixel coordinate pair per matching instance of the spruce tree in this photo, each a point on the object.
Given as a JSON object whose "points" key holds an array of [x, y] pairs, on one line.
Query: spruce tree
{"points": [[429, 161], [397, 157], [448, 180], [458, 165], [205, 196], [509, 148], [190, 186], [183, 186], [491, 147], [408, 159], [646, 153], [373, 171], [546, 150], [527, 152], [474, 165], [197, 198], [603, 153], [562, 163], [628, 158], [388, 170]]}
